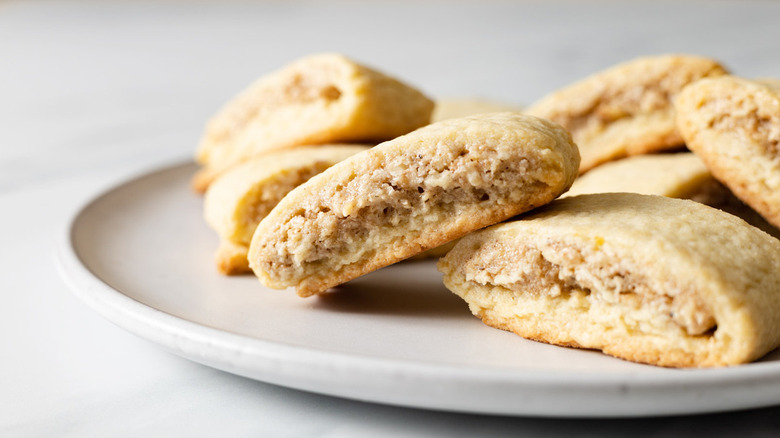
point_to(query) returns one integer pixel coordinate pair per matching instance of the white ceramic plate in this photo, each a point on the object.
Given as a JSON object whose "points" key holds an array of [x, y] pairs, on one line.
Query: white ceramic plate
{"points": [[141, 255]]}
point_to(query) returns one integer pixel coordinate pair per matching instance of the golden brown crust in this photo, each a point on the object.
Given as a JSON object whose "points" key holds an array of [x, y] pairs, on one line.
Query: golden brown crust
{"points": [[446, 109], [318, 99], [411, 194], [231, 258], [627, 109], [609, 272], [733, 124]]}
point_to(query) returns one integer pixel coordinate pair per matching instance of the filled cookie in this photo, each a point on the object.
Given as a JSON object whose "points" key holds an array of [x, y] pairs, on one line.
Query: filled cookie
{"points": [[645, 278], [680, 175], [411, 194], [627, 109], [733, 125], [236, 202], [454, 108], [319, 99]]}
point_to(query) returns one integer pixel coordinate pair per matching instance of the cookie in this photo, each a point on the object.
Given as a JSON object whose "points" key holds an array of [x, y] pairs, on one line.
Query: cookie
{"points": [[733, 124], [680, 175], [627, 109], [236, 202], [411, 194], [318, 99], [445, 109], [649, 279]]}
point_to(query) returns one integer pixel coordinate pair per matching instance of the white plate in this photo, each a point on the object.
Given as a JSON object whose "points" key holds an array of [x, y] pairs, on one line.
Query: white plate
{"points": [[141, 255]]}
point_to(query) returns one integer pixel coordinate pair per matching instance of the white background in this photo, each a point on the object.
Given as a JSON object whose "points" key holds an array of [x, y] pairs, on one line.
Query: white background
{"points": [[93, 92]]}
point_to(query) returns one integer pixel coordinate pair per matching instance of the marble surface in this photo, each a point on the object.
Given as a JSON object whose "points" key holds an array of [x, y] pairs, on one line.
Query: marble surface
{"points": [[94, 92]]}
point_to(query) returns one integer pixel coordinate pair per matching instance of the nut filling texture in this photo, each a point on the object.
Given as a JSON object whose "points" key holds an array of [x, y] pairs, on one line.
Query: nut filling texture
{"points": [[380, 206], [655, 304], [735, 114], [238, 200], [625, 110], [409, 195], [645, 278], [733, 124], [615, 102]]}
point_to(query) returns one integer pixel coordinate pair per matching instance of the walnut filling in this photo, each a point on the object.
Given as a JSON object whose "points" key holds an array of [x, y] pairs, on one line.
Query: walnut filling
{"points": [[409, 196], [265, 198], [614, 99], [740, 114], [615, 104], [607, 282]]}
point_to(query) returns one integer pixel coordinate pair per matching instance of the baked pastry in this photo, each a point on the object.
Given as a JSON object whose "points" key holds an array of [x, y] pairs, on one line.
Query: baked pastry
{"points": [[411, 194], [733, 124], [318, 99], [236, 202], [445, 109], [627, 109], [650, 279], [681, 175]]}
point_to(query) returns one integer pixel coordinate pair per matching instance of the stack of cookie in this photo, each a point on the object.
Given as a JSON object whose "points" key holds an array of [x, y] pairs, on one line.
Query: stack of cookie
{"points": [[623, 118], [643, 277], [287, 127]]}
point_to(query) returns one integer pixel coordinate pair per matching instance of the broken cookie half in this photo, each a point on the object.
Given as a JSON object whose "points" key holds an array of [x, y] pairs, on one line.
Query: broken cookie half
{"points": [[318, 99], [649, 279], [411, 194]]}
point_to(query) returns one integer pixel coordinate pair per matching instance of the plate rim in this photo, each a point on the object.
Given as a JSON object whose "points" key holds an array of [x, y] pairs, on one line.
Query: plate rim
{"points": [[195, 341]]}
